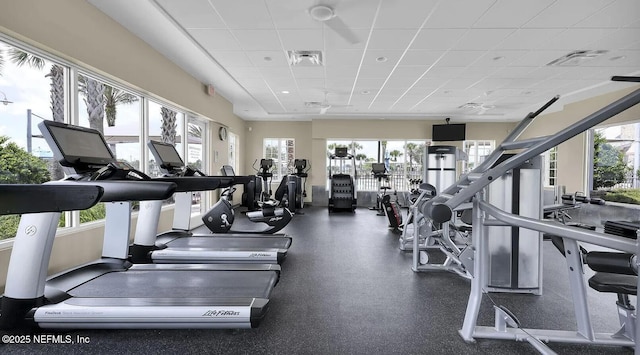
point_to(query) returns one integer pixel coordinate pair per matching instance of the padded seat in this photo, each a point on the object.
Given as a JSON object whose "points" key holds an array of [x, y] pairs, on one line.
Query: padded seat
{"points": [[614, 283]]}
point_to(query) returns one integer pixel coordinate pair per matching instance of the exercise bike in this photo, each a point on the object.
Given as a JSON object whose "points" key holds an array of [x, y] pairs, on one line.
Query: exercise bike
{"points": [[220, 218]]}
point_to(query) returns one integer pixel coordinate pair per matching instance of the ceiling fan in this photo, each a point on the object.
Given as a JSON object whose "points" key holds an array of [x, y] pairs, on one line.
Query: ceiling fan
{"points": [[324, 105], [327, 15], [483, 109]]}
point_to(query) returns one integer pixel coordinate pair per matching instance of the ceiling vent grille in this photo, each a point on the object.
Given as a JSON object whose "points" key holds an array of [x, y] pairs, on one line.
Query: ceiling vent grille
{"points": [[305, 58], [576, 58]]}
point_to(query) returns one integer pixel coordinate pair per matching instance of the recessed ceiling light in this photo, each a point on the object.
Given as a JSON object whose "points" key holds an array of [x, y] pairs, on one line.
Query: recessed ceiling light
{"points": [[617, 57], [498, 58], [267, 59], [381, 59], [284, 91], [365, 92]]}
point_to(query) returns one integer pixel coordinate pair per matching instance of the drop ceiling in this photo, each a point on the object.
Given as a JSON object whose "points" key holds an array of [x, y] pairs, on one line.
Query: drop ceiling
{"points": [[471, 60]]}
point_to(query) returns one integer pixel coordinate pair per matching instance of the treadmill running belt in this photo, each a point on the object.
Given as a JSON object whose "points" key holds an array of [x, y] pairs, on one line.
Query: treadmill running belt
{"points": [[224, 242], [179, 284]]}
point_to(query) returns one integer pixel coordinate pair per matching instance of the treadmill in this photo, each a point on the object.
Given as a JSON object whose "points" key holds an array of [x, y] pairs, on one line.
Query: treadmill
{"points": [[180, 245], [111, 292]]}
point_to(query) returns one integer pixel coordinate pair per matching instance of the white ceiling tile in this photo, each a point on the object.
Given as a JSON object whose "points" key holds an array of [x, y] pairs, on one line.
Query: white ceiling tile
{"points": [[392, 57], [437, 39], [409, 71], [566, 13], [459, 83], [292, 14], [400, 82], [499, 58], [421, 57], [394, 15], [538, 58], [232, 58], [341, 71], [251, 40], [308, 72], [311, 83], [619, 13], [576, 38], [275, 72], [529, 38], [368, 83], [391, 39], [617, 40], [301, 39], [282, 83], [212, 40], [343, 57], [512, 72], [277, 58], [193, 13], [440, 71], [370, 71], [466, 13], [252, 14], [430, 82], [244, 72], [340, 82], [460, 58], [482, 39], [511, 13]]}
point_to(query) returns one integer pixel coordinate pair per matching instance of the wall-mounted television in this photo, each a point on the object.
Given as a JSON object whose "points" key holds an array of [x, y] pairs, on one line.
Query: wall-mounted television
{"points": [[448, 132]]}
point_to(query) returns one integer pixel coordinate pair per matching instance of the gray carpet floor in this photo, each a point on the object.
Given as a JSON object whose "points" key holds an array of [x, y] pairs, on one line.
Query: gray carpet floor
{"points": [[345, 288]]}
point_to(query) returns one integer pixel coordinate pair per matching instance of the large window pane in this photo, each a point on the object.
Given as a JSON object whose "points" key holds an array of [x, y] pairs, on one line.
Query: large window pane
{"points": [[116, 113], [32, 89], [165, 125], [196, 130], [282, 152]]}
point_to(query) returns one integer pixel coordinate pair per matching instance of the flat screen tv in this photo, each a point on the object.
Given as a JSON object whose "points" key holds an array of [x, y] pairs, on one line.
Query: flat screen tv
{"points": [[448, 132]]}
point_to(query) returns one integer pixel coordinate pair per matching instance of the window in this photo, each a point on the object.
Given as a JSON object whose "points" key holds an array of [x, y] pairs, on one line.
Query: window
{"points": [[165, 125], [32, 89], [616, 157], [116, 113], [476, 152], [196, 143], [282, 151], [551, 167], [234, 158], [403, 160]]}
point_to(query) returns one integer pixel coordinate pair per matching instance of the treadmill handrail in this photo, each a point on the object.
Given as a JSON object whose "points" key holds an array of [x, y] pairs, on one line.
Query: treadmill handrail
{"points": [[133, 190], [34, 198]]}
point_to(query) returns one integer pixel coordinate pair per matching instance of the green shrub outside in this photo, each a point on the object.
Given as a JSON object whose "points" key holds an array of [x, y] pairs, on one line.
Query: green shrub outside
{"points": [[631, 196]]}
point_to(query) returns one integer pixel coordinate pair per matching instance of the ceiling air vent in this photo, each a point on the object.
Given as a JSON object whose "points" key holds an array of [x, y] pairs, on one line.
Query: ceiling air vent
{"points": [[576, 58], [305, 58]]}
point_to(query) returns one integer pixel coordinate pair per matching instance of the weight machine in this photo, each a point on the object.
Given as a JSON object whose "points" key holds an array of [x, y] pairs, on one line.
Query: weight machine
{"points": [[472, 187]]}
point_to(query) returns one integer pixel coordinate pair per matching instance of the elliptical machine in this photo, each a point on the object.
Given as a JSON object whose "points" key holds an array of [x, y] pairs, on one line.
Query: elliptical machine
{"points": [[266, 173], [379, 171], [290, 192]]}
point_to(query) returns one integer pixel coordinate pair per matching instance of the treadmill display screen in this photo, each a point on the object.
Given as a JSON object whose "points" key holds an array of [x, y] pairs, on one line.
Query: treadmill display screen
{"points": [[227, 170], [76, 145], [166, 155], [378, 168]]}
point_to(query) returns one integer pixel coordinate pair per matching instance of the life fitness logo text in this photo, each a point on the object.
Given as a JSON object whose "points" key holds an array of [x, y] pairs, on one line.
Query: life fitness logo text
{"points": [[221, 313]]}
